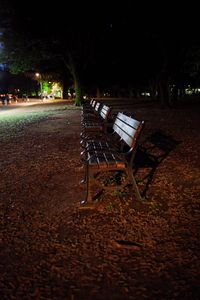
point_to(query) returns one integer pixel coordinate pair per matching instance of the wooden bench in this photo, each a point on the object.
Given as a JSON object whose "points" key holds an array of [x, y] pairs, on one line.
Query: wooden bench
{"points": [[91, 114], [109, 161], [89, 107], [97, 124]]}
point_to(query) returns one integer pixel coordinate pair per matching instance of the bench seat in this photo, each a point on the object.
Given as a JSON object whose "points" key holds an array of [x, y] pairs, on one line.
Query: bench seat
{"points": [[106, 160]]}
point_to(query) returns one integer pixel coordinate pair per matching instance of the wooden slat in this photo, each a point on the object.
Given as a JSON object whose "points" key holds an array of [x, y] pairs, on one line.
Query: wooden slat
{"points": [[126, 127], [105, 160], [104, 112]]}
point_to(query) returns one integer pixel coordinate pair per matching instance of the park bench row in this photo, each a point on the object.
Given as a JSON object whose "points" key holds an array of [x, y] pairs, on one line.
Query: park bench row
{"points": [[109, 142]]}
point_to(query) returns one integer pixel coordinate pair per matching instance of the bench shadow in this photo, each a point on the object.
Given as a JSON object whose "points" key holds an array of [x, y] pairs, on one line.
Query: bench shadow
{"points": [[150, 154]]}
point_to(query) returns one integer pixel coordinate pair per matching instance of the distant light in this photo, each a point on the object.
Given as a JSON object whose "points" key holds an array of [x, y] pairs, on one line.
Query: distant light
{"points": [[146, 94], [37, 74]]}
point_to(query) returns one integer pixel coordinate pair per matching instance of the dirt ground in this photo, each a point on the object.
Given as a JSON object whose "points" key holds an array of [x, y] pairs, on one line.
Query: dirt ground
{"points": [[121, 249]]}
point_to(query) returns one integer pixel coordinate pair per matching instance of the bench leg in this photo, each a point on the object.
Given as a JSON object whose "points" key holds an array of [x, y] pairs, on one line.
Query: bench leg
{"points": [[84, 180], [85, 172], [88, 198], [136, 189]]}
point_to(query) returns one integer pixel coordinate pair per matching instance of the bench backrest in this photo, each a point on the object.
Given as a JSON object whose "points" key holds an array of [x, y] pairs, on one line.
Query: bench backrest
{"points": [[94, 102], [89, 106], [128, 129], [105, 112], [97, 106]]}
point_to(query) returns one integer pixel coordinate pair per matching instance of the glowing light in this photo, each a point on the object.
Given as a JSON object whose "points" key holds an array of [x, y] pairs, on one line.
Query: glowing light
{"points": [[39, 79]]}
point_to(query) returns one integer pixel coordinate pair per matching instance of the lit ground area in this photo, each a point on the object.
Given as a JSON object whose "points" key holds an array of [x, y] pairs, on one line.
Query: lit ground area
{"points": [[121, 249]]}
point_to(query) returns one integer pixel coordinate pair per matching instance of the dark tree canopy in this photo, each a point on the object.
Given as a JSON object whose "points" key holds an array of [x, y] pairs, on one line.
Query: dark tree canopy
{"points": [[103, 44]]}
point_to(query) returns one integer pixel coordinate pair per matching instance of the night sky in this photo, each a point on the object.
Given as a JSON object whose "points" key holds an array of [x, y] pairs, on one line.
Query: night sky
{"points": [[125, 41]]}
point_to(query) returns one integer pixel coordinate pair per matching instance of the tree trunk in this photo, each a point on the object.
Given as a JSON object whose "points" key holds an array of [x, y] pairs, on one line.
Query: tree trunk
{"points": [[98, 92], [164, 93], [153, 84], [77, 83], [78, 91], [77, 86]]}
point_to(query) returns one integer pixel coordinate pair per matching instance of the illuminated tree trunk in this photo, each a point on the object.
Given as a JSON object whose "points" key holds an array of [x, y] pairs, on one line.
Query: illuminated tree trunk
{"points": [[78, 91], [77, 82]]}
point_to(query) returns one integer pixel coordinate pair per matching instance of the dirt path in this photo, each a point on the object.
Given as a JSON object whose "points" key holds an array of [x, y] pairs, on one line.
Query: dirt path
{"points": [[52, 250]]}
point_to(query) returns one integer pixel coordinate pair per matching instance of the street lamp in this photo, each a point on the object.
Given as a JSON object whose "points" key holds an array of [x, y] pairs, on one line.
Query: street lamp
{"points": [[39, 79]]}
